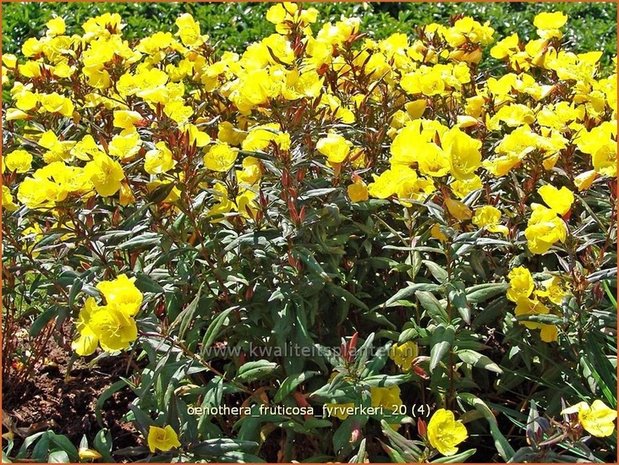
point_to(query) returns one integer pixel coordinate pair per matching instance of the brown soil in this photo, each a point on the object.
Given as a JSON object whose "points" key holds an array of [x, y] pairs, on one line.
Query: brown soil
{"points": [[47, 402]]}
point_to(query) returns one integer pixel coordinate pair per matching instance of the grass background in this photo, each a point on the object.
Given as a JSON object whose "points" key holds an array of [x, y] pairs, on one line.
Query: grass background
{"points": [[591, 26]]}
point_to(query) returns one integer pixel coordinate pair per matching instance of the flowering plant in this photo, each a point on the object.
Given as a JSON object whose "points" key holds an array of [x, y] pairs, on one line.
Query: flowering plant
{"points": [[450, 230]]}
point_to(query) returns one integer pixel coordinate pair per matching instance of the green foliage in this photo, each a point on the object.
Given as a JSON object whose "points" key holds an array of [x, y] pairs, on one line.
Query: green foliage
{"points": [[229, 299], [592, 26]]}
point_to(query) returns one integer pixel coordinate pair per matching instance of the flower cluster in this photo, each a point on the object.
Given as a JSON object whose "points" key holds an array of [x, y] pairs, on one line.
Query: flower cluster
{"points": [[112, 326], [319, 170]]}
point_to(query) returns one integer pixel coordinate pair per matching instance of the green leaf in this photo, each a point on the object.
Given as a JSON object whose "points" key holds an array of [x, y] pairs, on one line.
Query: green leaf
{"points": [[291, 383], [58, 456], [547, 318], [442, 340], [186, 316], [212, 332], [406, 449], [439, 273], [42, 321], [147, 284], [308, 259], [403, 294], [435, 309], [502, 445], [160, 193], [252, 371], [476, 359], [105, 395], [220, 446], [457, 297], [483, 292], [103, 444], [65, 444], [437, 353], [458, 458], [346, 295]]}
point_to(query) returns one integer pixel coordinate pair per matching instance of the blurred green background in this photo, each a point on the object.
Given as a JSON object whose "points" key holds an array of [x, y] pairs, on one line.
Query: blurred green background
{"points": [[592, 26]]}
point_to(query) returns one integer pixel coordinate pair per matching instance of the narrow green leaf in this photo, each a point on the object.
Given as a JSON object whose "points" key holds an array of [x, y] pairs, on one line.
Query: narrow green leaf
{"points": [[476, 359]]}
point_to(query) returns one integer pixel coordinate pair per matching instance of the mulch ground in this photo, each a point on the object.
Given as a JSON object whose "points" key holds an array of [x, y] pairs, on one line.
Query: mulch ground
{"points": [[47, 401]]}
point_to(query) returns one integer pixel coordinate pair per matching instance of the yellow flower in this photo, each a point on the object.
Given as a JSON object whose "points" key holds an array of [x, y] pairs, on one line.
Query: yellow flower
{"points": [[246, 204], [505, 47], [597, 419], [464, 153], [177, 111], [225, 205], [554, 290], [87, 341], [105, 174], [280, 12], [125, 145], [547, 21], [559, 200], [162, 439], [8, 203], [489, 217], [432, 160], [436, 233], [584, 180], [388, 397], [544, 229], [126, 119], [189, 31], [88, 454], [251, 172], [26, 100], [37, 193], [526, 306], [56, 26], [122, 294], [159, 160], [335, 147], [9, 60], [227, 133], [220, 158], [521, 284], [200, 138], [458, 209], [462, 188], [56, 103], [515, 115], [19, 161], [357, 191], [339, 410], [259, 137], [404, 354], [445, 433], [113, 327]]}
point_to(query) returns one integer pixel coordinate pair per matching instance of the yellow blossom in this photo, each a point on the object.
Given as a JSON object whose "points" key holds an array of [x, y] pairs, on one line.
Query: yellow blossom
{"points": [[122, 294], [357, 191], [559, 200], [163, 439], [521, 284], [335, 147], [597, 419], [105, 174], [489, 217], [404, 354], [445, 433], [19, 161], [544, 229], [220, 157], [159, 160]]}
